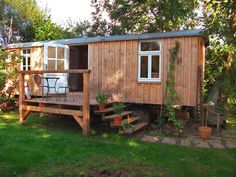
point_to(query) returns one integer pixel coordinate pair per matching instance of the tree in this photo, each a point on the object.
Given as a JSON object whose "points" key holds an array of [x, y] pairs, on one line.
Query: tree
{"points": [[139, 16], [220, 23], [16, 15], [42, 29], [31, 22]]}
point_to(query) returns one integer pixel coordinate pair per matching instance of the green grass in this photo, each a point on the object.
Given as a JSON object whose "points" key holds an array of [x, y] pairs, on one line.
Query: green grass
{"points": [[52, 146]]}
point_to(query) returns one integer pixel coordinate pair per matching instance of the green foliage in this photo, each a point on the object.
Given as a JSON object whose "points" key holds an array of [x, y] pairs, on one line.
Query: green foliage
{"points": [[45, 30], [171, 93], [146, 16], [33, 23], [127, 126], [8, 79], [118, 108], [102, 98], [17, 14], [230, 94], [220, 23], [2, 78]]}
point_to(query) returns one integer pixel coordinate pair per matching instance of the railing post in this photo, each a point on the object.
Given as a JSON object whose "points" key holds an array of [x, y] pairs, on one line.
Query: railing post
{"points": [[86, 103], [21, 96]]}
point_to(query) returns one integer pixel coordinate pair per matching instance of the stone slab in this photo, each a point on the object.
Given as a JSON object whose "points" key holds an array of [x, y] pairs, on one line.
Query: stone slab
{"points": [[200, 143], [151, 139], [168, 140], [230, 144], [216, 144], [186, 142]]}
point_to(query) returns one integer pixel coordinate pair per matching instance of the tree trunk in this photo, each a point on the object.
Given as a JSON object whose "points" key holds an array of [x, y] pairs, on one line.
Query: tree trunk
{"points": [[213, 96]]}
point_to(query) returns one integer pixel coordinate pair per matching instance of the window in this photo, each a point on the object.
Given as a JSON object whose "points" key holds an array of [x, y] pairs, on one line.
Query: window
{"points": [[56, 57], [149, 61], [26, 63]]}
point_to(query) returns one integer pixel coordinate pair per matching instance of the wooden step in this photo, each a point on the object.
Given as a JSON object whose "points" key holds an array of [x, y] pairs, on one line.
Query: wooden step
{"points": [[123, 121], [137, 127], [133, 119], [106, 110], [125, 113]]}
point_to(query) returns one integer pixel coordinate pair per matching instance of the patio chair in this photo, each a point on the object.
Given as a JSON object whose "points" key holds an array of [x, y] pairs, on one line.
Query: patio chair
{"points": [[38, 79], [65, 88], [214, 116]]}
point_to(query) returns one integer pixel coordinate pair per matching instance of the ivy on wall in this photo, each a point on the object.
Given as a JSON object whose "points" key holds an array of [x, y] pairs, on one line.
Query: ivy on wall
{"points": [[171, 93]]}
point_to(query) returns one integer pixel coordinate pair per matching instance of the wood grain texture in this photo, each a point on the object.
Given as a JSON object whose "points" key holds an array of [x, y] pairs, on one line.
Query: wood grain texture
{"points": [[114, 67], [119, 72]]}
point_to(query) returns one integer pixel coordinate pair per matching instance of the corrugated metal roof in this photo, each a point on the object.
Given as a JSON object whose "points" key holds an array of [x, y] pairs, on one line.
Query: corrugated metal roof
{"points": [[86, 40]]}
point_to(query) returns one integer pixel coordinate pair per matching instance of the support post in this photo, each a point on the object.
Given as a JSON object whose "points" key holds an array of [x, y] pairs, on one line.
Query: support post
{"points": [[86, 103], [21, 97]]}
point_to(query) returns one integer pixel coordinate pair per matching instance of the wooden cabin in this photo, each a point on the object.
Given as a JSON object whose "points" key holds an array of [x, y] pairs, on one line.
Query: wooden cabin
{"points": [[130, 68]]}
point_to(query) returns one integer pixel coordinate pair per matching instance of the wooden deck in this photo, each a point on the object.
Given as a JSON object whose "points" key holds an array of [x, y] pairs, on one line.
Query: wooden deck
{"points": [[61, 101], [54, 105]]}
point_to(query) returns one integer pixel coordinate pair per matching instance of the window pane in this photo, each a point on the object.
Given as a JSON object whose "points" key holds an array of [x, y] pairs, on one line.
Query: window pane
{"points": [[24, 60], [51, 52], [150, 46], [28, 68], [28, 60], [60, 64], [155, 66], [60, 53], [51, 65], [24, 68], [144, 67], [28, 51], [24, 51]]}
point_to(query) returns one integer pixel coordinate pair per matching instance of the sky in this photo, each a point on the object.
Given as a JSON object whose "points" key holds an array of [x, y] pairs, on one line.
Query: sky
{"points": [[62, 10]]}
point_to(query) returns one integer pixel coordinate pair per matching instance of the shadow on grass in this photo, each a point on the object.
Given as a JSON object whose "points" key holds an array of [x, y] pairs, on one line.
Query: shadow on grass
{"points": [[99, 162], [53, 146]]}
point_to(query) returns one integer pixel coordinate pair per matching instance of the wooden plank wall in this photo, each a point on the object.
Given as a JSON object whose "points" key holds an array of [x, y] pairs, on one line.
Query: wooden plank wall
{"points": [[37, 57], [36, 64], [114, 68]]}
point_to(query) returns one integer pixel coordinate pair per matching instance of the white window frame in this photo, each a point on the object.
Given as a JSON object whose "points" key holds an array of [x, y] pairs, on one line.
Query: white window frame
{"points": [[149, 54], [63, 81], [27, 55], [56, 46]]}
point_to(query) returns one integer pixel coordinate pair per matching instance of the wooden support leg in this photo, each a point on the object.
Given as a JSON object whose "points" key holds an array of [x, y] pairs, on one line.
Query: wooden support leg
{"points": [[23, 115], [86, 104], [79, 120]]}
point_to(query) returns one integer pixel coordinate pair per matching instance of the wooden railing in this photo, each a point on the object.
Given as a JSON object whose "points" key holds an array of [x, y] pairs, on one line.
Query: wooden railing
{"points": [[82, 117]]}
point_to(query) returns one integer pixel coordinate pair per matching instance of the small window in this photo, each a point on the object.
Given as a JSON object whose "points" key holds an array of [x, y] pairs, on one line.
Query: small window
{"points": [[150, 46], [26, 60], [149, 61]]}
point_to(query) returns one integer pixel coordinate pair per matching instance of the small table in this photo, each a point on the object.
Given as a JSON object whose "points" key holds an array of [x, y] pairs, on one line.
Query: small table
{"points": [[54, 85]]}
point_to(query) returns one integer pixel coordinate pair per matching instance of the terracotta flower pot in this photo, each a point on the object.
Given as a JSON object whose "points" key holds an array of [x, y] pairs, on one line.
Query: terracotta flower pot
{"points": [[204, 132], [101, 107], [117, 121]]}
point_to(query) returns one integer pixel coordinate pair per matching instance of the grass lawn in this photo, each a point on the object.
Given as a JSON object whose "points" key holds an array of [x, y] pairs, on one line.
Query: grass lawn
{"points": [[52, 146]]}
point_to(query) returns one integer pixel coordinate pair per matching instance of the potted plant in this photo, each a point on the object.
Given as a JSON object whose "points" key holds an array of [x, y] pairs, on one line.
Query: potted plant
{"points": [[204, 131], [127, 127], [101, 99], [118, 108]]}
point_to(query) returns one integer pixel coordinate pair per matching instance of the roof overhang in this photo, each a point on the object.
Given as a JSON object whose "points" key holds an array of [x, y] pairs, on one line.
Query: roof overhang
{"points": [[86, 40]]}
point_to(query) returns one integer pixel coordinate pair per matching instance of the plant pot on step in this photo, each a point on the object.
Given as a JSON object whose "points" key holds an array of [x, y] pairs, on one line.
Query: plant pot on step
{"points": [[101, 98], [117, 121], [127, 127], [101, 107], [204, 132]]}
